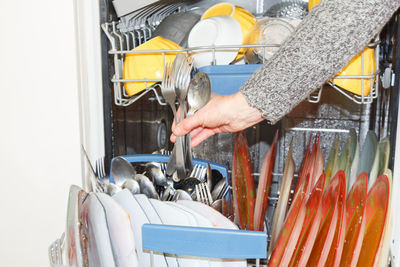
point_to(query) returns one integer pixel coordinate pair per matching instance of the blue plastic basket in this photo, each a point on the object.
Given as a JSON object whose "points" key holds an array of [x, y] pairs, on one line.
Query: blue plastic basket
{"points": [[227, 79]]}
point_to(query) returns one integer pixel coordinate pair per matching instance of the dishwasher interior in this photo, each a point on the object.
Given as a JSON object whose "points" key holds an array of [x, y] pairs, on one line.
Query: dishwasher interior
{"points": [[141, 123]]}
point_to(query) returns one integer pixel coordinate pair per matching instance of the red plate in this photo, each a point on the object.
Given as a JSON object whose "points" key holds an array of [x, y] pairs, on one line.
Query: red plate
{"points": [[243, 183], [338, 241], [286, 243], [311, 224], [355, 221], [326, 231], [305, 167], [377, 207], [264, 186]]}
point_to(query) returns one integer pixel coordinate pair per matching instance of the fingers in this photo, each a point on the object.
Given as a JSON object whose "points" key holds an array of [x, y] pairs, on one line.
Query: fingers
{"points": [[187, 125], [201, 136], [193, 134]]}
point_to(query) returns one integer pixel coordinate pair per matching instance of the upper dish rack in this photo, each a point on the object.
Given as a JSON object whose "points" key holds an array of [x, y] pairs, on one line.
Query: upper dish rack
{"points": [[122, 42]]}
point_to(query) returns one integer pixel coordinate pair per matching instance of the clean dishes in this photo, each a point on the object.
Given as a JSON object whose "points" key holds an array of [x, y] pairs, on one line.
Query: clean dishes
{"points": [[383, 254], [356, 68], [95, 235], [336, 250], [349, 158], [173, 216], [355, 158], [268, 31], [245, 18], [288, 236], [264, 186], [330, 216], [376, 215], [120, 231], [310, 226], [355, 221], [243, 183], [332, 165], [215, 31], [280, 211], [368, 155], [241, 15], [73, 231], [176, 27], [154, 218], [137, 218], [384, 153], [217, 219], [147, 65]]}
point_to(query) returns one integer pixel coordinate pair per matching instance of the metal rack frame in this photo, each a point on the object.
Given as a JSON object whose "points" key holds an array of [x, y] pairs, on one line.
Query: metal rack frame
{"points": [[122, 43]]}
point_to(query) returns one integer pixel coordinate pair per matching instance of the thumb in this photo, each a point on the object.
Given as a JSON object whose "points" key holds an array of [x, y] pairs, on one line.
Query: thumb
{"points": [[187, 125]]}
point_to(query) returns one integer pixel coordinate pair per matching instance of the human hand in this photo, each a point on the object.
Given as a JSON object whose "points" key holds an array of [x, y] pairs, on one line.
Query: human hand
{"points": [[222, 114]]}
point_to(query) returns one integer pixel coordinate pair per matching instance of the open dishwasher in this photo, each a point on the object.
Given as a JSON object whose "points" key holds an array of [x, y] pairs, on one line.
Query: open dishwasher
{"points": [[115, 122]]}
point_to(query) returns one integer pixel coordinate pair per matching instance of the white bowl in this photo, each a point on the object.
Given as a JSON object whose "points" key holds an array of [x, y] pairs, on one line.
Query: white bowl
{"points": [[215, 31]]}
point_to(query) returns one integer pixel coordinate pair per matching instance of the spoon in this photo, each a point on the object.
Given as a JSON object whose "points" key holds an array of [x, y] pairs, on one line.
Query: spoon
{"points": [[198, 95], [121, 170], [154, 172], [199, 92], [146, 186], [111, 189], [181, 195], [132, 186]]}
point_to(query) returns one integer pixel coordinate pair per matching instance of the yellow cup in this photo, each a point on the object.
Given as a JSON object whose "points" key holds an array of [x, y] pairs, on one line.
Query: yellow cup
{"points": [[244, 17], [312, 3], [354, 68], [147, 65]]}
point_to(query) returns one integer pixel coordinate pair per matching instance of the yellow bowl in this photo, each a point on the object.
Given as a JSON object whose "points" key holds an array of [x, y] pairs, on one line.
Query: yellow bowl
{"points": [[312, 3], [354, 68], [147, 65], [244, 17]]}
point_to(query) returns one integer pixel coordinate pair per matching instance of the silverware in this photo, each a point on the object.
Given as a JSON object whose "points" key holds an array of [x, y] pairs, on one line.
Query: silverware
{"points": [[203, 194], [154, 172], [199, 92], [181, 195], [220, 189], [132, 186], [168, 91], [146, 186], [122, 170]]}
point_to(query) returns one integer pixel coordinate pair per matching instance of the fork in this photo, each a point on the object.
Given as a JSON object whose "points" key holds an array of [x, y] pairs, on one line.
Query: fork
{"points": [[55, 251], [176, 160], [203, 194]]}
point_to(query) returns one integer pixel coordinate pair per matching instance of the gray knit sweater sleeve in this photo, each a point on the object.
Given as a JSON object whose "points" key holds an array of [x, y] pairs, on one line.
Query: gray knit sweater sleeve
{"points": [[327, 39]]}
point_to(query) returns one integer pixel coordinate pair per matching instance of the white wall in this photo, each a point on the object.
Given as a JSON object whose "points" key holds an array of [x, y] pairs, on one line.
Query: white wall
{"points": [[39, 132]]}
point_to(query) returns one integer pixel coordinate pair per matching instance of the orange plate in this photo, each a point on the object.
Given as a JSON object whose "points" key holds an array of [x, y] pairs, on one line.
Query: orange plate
{"points": [[310, 226], [355, 221], [264, 186], [377, 207], [286, 243], [326, 231], [338, 241], [243, 183]]}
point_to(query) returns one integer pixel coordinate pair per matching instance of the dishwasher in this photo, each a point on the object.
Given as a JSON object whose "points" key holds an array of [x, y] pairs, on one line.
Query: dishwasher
{"points": [[116, 123]]}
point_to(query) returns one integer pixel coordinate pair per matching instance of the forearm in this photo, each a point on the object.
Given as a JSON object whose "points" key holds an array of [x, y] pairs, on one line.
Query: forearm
{"points": [[328, 38]]}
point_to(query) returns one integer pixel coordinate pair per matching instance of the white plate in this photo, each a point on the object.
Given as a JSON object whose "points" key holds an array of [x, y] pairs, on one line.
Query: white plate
{"points": [[72, 233], [154, 218], [173, 216], [195, 221], [138, 218], [94, 227], [217, 219], [209, 217], [121, 233]]}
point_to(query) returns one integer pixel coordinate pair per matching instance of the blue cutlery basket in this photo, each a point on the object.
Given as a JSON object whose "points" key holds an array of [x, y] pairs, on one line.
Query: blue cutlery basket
{"points": [[227, 79], [142, 158]]}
